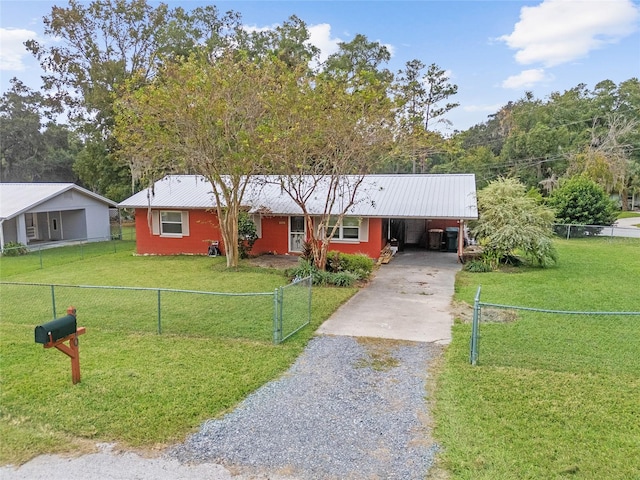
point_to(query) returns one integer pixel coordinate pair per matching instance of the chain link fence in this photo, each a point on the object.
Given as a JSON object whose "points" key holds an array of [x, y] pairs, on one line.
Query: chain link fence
{"points": [[39, 256], [291, 304], [601, 339], [262, 316], [570, 231]]}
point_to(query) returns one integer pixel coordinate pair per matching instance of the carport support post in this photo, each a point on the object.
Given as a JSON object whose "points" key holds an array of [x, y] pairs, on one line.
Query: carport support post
{"points": [[460, 241]]}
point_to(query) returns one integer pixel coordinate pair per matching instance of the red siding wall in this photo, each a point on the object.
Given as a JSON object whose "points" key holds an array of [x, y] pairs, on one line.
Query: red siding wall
{"points": [[203, 227], [371, 248], [275, 236]]}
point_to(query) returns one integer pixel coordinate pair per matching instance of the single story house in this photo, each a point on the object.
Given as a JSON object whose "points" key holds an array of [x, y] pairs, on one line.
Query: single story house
{"points": [[177, 215], [34, 213]]}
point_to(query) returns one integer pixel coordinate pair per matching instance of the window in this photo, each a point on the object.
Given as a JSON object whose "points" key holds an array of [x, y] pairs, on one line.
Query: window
{"points": [[170, 223], [348, 229]]}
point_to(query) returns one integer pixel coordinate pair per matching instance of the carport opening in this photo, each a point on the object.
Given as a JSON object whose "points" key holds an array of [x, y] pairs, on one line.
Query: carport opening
{"points": [[440, 235]]}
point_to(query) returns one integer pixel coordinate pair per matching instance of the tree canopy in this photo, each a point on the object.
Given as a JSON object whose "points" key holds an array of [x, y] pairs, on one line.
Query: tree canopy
{"points": [[34, 148]]}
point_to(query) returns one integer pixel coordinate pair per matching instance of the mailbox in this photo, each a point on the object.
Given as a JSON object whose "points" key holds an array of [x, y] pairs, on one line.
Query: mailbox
{"points": [[56, 333], [56, 329]]}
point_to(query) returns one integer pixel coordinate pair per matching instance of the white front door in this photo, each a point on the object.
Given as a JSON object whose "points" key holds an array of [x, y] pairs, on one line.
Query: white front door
{"points": [[296, 233]]}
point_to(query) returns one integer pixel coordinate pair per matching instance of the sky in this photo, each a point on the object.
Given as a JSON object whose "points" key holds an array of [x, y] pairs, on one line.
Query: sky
{"points": [[494, 51]]}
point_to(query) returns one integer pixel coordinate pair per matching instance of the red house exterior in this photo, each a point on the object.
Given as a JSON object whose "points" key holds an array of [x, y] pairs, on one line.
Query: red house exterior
{"points": [[179, 218]]}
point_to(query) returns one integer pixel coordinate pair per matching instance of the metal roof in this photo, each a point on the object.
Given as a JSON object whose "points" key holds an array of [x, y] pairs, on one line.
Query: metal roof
{"points": [[17, 198], [388, 196], [174, 191]]}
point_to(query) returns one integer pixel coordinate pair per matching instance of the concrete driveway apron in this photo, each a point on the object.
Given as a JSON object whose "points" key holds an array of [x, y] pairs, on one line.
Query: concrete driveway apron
{"points": [[408, 299]]}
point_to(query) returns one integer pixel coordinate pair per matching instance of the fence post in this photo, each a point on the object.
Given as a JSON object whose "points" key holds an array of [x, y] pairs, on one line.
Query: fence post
{"points": [[159, 315], [53, 300], [277, 325], [568, 232], [40, 255], [310, 280], [473, 356]]}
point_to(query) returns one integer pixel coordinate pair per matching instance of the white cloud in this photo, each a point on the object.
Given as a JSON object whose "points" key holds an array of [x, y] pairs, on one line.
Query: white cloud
{"points": [[483, 108], [12, 49], [320, 37], [560, 31], [527, 79], [391, 48]]}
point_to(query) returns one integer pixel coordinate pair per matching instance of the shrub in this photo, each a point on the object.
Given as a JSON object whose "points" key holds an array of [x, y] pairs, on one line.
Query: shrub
{"points": [[307, 251], [13, 249], [477, 266], [581, 201], [247, 234], [306, 268], [512, 220], [343, 279], [303, 269], [358, 264]]}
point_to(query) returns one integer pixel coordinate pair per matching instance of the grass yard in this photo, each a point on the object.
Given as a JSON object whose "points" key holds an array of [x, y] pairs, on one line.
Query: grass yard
{"points": [[553, 396], [138, 388], [628, 214]]}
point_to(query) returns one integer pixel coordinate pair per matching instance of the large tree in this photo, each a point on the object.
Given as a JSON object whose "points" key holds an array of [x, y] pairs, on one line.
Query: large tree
{"points": [[205, 117], [329, 130], [611, 157], [105, 43], [33, 146], [325, 140], [419, 96]]}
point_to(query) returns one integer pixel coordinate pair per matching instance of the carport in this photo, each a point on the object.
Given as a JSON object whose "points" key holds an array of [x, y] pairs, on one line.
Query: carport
{"points": [[437, 234]]}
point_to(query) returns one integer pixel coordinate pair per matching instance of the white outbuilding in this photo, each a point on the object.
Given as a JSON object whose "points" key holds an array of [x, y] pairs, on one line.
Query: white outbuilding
{"points": [[37, 213]]}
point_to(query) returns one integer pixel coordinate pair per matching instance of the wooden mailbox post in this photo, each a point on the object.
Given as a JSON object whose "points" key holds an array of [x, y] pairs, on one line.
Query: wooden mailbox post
{"points": [[57, 332]]}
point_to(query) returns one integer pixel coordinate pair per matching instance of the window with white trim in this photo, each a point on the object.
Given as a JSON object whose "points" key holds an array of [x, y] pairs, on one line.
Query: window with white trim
{"points": [[348, 228], [170, 223]]}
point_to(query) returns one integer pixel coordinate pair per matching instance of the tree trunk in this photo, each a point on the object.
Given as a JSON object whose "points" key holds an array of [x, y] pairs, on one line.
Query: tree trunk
{"points": [[623, 199], [313, 240], [227, 218]]}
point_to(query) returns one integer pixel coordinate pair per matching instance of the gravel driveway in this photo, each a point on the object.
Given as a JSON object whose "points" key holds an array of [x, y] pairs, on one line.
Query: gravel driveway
{"points": [[347, 408]]}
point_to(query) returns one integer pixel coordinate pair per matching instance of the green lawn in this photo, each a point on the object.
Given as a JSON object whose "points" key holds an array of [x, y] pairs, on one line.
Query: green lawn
{"points": [[628, 214], [553, 396], [138, 388]]}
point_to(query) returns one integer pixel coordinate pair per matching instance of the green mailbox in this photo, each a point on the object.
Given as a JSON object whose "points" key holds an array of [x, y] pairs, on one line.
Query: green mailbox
{"points": [[56, 329]]}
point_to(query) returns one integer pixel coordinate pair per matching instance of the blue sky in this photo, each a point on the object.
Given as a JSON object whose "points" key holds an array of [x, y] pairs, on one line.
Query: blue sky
{"points": [[494, 51]]}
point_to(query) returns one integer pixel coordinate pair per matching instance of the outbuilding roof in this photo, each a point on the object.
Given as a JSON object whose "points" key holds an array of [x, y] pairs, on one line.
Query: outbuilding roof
{"points": [[388, 196], [17, 198]]}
